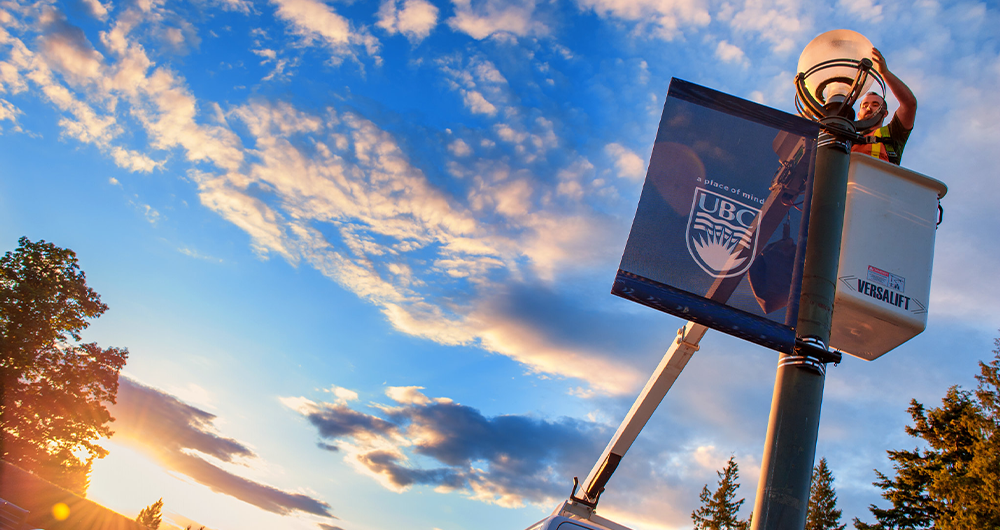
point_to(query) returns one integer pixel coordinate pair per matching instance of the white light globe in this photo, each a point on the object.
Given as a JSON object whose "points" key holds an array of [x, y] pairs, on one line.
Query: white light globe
{"points": [[836, 44]]}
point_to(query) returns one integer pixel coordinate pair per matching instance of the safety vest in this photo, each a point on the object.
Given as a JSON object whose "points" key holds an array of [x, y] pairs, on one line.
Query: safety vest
{"points": [[877, 149]]}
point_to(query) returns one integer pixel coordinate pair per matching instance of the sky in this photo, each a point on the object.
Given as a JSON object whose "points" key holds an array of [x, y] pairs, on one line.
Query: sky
{"points": [[360, 252]]}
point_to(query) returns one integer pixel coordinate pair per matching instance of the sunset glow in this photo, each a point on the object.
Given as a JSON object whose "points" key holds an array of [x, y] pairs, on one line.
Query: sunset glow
{"points": [[360, 252]]}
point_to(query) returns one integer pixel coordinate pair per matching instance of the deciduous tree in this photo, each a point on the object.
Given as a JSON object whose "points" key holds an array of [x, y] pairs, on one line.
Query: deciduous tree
{"points": [[719, 511], [53, 389]]}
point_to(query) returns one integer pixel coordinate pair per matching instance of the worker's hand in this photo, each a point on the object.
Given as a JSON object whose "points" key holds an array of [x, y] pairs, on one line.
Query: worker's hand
{"points": [[879, 62]]}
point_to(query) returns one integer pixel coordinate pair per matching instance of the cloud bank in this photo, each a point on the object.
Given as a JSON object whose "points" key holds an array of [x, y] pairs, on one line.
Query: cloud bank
{"points": [[510, 460], [332, 189], [445, 249], [506, 460]]}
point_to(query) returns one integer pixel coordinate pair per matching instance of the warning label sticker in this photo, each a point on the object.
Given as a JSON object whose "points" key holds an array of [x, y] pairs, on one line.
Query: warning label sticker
{"points": [[886, 279]]}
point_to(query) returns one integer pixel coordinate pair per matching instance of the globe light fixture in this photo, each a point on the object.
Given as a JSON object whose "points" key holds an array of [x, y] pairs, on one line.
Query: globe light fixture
{"points": [[835, 70]]}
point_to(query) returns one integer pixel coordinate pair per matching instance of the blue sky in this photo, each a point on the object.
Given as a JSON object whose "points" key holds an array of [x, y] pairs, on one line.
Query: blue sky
{"points": [[360, 251]]}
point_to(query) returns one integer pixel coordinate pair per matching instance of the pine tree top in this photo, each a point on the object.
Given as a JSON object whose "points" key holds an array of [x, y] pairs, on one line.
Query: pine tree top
{"points": [[719, 511], [823, 513], [150, 516]]}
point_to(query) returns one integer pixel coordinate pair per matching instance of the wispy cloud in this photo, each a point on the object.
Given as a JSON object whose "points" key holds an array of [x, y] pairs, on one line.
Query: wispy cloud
{"points": [[667, 19], [315, 21], [628, 164], [66, 49], [358, 181], [8, 112], [413, 18], [198, 255], [730, 53], [497, 17], [482, 87], [278, 71], [869, 10], [90, 82], [241, 6], [782, 24], [96, 8], [459, 148], [304, 174], [134, 161], [445, 249], [182, 438]]}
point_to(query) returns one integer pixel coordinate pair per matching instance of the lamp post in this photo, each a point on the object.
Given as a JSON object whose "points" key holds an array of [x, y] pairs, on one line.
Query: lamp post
{"points": [[835, 69]]}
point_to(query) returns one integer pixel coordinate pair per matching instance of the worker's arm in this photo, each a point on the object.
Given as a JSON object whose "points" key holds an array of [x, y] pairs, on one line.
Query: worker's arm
{"points": [[907, 110]]}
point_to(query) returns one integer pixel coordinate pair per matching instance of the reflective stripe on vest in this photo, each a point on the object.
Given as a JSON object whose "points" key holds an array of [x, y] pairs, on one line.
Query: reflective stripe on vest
{"points": [[875, 149]]}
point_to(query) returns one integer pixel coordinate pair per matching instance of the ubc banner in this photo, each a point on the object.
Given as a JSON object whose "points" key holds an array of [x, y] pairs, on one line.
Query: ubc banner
{"points": [[718, 237]]}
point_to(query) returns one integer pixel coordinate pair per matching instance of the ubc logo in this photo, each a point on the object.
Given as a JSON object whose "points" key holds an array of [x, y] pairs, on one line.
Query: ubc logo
{"points": [[719, 236]]}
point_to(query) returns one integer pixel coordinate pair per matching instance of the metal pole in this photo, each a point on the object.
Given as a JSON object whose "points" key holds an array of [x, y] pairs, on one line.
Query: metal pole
{"points": [[782, 501]]}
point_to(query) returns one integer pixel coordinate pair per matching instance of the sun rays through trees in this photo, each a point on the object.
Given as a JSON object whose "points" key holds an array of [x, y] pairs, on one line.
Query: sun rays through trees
{"points": [[53, 388]]}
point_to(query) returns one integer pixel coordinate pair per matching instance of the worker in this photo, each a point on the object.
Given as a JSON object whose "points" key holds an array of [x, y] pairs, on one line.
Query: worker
{"points": [[887, 142]]}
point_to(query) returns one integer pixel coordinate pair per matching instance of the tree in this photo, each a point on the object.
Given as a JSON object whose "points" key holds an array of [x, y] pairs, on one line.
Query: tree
{"points": [[719, 511], [150, 516], [823, 513], [53, 389], [953, 484]]}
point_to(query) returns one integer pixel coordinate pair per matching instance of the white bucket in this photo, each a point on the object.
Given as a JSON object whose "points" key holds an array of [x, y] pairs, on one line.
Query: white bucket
{"points": [[885, 257]]}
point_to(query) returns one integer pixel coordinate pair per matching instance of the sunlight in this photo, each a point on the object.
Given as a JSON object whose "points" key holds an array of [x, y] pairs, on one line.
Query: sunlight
{"points": [[60, 511], [127, 481]]}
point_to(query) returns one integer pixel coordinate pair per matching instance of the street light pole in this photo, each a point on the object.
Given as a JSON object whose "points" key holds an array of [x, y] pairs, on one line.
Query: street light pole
{"points": [[793, 427], [782, 501]]}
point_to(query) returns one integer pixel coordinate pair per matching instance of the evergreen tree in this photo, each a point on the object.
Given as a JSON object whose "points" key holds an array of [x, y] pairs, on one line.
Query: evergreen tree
{"points": [[719, 511], [53, 390], [150, 516], [954, 484], [823, 513]]}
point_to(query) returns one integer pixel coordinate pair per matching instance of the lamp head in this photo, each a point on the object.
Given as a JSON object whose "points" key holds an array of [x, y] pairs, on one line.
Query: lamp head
{"points": [[835, 45], [835, 69]]}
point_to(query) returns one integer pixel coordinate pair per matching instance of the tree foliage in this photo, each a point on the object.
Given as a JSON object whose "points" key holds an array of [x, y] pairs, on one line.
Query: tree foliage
{"points": [[53, 389], [719, 510], [823, 513], [953, 484], [150, 516]]}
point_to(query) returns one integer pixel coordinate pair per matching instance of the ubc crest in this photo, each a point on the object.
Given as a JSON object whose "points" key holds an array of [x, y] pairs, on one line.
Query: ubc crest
{"points": [[719, 235]]}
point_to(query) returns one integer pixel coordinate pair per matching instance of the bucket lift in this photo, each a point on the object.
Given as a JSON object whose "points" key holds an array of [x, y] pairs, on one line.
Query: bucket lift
{"points": [[881, 298], [579, 511]]}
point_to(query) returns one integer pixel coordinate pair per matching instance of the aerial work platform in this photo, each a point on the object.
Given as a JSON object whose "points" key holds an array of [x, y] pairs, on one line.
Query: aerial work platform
{"points": [[886, 254]]}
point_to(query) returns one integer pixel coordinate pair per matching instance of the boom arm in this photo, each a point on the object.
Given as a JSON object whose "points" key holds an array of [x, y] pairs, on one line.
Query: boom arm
{"points": [[652, 394]]}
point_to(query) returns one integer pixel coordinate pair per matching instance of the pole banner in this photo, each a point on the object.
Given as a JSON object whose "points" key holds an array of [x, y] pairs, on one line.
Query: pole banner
{"points": [[719, 234]]}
